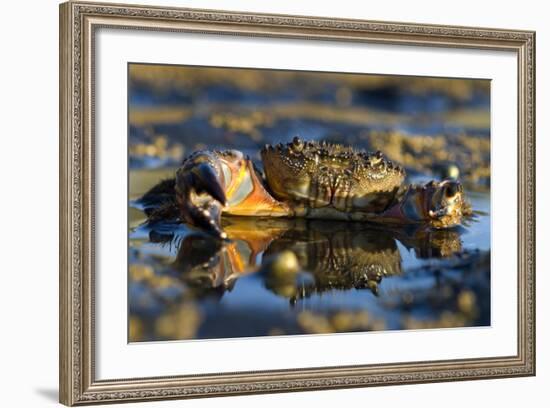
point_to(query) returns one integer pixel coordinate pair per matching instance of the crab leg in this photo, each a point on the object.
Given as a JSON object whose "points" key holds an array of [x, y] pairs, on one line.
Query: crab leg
{"points": [[247, 195]]}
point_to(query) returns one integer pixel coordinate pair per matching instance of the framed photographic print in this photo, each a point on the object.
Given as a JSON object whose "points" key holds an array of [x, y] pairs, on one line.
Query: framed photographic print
{"points": [[258, 203]]}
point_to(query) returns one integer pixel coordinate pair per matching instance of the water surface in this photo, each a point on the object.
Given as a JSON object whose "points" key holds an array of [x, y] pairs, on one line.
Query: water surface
{"points": [[352, 277]]}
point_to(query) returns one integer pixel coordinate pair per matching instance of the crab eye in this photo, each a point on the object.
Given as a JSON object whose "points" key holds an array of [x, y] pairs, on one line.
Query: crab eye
{"points": [[452, 189], [297, 144]]}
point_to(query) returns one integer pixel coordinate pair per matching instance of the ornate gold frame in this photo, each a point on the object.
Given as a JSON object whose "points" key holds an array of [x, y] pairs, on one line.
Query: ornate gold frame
{"points": [[78, 22]]}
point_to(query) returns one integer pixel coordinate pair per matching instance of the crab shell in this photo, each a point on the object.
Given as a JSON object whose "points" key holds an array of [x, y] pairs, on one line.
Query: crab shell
{"points": [[321, 175]]}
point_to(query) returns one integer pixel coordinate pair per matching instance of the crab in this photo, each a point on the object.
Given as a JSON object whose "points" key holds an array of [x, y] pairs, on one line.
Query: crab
{"points": [[307, 179]]}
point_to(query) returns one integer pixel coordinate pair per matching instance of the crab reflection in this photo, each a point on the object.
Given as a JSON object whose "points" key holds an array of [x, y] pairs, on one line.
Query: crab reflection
{"points": [[329, 255]]}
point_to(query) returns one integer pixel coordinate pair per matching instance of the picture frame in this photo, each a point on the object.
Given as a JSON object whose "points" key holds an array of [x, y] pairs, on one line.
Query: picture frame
{"points": [[79, 24]]}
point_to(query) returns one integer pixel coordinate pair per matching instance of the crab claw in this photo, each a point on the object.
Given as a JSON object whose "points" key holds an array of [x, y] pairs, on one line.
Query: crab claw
{"points": [[200, 192], [438, 204], [206, 179], [445, 203]]}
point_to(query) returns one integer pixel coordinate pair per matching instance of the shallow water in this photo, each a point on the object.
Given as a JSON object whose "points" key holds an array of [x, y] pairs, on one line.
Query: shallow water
{"points": [[185, 285]]}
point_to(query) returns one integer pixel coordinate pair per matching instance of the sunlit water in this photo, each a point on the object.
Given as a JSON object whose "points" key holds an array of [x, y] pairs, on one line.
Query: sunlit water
{"points": [[353, 277]]}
